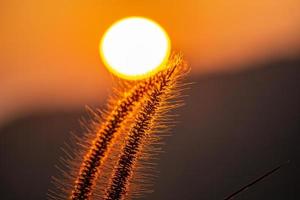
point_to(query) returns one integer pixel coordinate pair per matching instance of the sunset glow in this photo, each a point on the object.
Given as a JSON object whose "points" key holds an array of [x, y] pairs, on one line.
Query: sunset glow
{"points": [[135, 48]]}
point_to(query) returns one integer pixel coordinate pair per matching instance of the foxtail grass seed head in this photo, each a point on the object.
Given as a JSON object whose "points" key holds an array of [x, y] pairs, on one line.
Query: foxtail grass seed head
{"points": [[114, 147]]}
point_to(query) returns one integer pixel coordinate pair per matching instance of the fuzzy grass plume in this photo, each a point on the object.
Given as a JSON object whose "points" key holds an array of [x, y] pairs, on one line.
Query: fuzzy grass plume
{"points": [[110, 161]]}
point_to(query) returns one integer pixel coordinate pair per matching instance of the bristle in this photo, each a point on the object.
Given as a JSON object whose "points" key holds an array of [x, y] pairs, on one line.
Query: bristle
{"points": [[95, 162]]}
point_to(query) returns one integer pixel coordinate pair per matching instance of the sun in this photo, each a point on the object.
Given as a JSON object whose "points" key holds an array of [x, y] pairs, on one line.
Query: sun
{"points": [[135, 48]]}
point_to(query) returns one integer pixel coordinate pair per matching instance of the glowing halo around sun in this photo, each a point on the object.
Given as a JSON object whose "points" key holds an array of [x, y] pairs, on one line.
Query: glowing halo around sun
{"points": [[135, 48]]}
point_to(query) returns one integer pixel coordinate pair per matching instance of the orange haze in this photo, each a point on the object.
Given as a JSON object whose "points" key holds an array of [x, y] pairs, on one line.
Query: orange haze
{"points": [[49, 49]]}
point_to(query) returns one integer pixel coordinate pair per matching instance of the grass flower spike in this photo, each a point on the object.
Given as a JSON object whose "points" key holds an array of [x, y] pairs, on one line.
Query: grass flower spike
{"points": [[123, 140]]}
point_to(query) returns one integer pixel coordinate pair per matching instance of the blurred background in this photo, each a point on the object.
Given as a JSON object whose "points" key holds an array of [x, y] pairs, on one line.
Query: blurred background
{"points": [[242, 116]]}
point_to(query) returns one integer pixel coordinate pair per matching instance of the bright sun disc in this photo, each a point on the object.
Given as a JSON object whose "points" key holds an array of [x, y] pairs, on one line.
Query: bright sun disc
{"points": [[135, 48]]}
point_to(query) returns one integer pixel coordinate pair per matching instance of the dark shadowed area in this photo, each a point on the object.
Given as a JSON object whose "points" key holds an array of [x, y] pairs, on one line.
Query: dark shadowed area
{"points": [[234, 128]]}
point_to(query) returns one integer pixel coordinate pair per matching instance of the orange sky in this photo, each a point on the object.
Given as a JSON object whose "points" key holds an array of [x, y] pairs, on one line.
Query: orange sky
{"points": [[49, 49]]}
